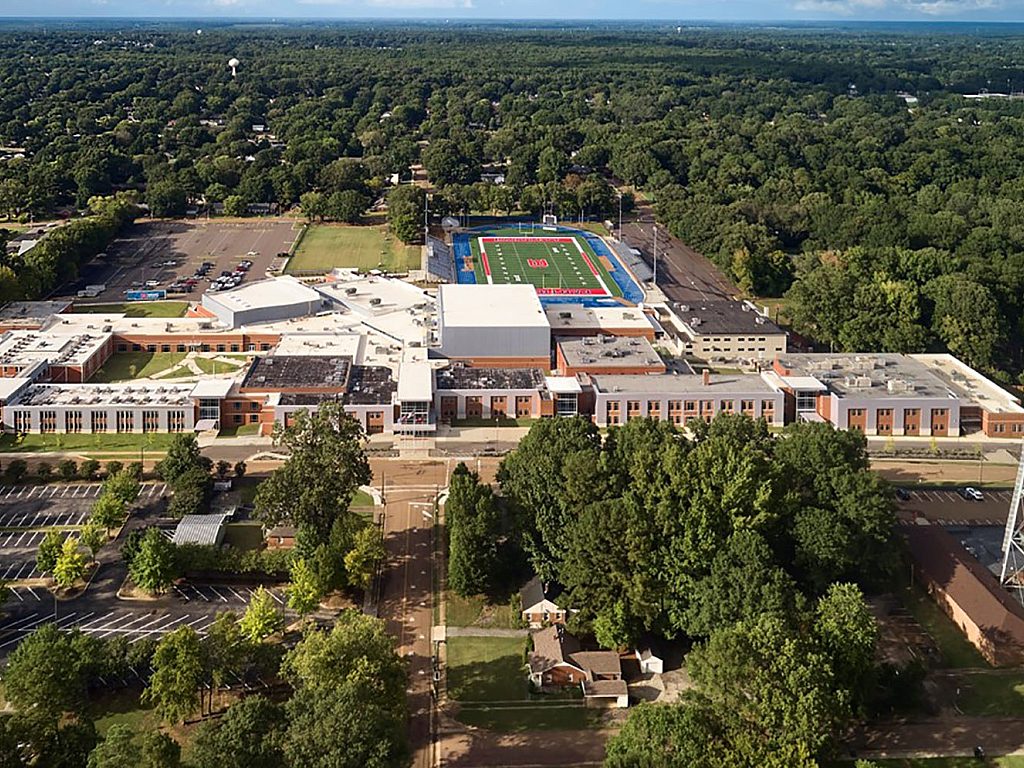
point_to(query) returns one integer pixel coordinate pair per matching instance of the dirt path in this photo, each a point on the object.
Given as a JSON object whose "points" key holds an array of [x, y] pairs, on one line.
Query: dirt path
{"points": [[952, 737]]}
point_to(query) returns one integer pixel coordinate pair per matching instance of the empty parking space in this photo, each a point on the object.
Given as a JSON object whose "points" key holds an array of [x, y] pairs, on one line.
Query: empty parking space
{"points": [[222, 594], [133, 624], [948, 507], [19, 570]]}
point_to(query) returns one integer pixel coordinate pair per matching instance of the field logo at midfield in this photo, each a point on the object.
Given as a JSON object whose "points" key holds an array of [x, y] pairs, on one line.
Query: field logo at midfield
{"points": [[537, 263]]}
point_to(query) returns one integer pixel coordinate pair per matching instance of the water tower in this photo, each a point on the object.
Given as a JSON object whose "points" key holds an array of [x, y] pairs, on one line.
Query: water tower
{"points": [[233, 63]]}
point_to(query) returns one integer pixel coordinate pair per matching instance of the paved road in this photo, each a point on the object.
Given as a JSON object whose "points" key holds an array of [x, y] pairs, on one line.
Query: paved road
{"points": [[683, 274], [949, 737]]}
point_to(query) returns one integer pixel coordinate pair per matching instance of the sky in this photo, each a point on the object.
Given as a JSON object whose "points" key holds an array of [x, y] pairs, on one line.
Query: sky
{"points": [[681, 10]]}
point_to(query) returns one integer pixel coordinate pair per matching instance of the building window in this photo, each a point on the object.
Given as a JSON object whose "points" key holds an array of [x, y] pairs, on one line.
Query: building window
{"points": [[690, 406], [254, 418], [73, 422], [176, 421], [747, 406], [221, 348], [727, 406], [122, 347], [151, 347], [566, 404], [125, 421], [22, 421], [165, 347], [99, 421], [209, 408], [181, 348], [136, 347], [254, 406], [806, 401], [234, 347], [264, 347], [150, 421], [238, 418], [48, 421], [654, 408], [237, 405]]}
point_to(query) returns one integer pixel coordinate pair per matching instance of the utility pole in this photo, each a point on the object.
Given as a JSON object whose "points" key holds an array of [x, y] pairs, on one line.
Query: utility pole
{"points": [[620, 215]]}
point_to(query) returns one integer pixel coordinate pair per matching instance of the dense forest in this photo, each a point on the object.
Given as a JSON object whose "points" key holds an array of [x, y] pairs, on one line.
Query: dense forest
{"points": [[844, 167]]}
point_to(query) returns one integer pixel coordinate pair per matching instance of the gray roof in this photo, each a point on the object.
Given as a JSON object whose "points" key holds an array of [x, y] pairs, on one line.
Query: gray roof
{"points": [[299, 371], [869, 375], [201, 529], [463, 377], [608, 351], [683, 384], [725, 317]]}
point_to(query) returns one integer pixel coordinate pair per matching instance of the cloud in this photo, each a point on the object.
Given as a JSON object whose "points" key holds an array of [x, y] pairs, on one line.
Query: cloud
{"points": [[930, 8]]}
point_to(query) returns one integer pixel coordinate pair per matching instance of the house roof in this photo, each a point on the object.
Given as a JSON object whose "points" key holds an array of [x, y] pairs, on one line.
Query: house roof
{"points": [[534, 592], [605, 688], [553, 646]]}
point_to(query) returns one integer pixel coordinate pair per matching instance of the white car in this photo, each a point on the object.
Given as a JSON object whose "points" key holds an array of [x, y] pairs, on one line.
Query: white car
{"points": [[973, 494], [152, 283]]}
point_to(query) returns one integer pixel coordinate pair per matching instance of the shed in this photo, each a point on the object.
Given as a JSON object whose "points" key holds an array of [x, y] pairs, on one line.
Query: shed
{"points": [[652, 661], [201, 529]]}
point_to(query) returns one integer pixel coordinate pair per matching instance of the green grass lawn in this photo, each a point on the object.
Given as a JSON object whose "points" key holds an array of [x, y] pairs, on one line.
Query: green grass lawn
{"points": [[487, 669], [125, 366], [476, 611], [325, 246], [89, 444], [210, 365], [122, 708], [956, 651], [362, 499], [239, 430], [992, 695], [137, 308], [244, 535]]}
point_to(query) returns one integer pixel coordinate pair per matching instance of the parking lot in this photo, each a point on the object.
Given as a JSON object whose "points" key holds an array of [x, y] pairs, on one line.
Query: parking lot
{"points": [[145, 253], [947, 507], [222, 594]]}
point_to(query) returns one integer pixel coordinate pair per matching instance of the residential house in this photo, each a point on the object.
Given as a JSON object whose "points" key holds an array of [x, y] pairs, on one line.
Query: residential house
{"points": [[559, 660], [538, 605]]}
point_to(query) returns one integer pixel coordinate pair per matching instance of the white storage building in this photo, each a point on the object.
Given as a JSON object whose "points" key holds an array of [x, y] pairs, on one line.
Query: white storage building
{"points": [[493, 325]]}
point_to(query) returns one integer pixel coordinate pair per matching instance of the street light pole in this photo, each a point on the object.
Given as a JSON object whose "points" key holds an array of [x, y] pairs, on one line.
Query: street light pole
{"points": [[620, 215], [655, 255]]}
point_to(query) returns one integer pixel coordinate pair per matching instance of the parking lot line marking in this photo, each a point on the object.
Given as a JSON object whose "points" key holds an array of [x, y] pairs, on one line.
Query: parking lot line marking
{"points": [[271, 593], [8, 539], [94, 621], [66, 489], [21, 491], [183, 595], [151, 489], [23, 567], [116, 626], [20, 538], [236, 594], [33, 593], [14, 591], [36, 517], [10, 491], [8, 571], [54, 491], [163, 489], [200, 594], [15, 624], [218, 594], [30, 492]]}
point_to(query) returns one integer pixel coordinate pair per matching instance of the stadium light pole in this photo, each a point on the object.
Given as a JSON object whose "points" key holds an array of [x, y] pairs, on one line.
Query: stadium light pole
{"points": [[655, 255], [620, 215]]}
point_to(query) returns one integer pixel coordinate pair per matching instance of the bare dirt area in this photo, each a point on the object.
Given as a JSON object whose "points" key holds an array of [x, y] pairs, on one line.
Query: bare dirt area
{"points": [[537, 748], [145, 251]]}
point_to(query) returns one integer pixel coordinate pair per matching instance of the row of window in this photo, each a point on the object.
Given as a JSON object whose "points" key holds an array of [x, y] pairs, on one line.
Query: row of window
{"points": [[74, 422], [263, 347], [999, 428], [681, 411]]}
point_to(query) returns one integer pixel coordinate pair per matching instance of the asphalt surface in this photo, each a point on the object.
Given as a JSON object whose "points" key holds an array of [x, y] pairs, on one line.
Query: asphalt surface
{"points": [[139, 255], [684, 275]]}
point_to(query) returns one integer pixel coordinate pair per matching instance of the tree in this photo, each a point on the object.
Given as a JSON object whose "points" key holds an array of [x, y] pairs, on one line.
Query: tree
{"points": [[44, 470], [406, 204], [122, 485], [447, 163], [315, 485], [473, 525], [192, 492], [48, 551], [109, 511], [240, 468], [67, 469], [178, 671], [262, 618], [88, 469], [304, 594], [182, 456], [70, 565], [93, 536], [684, 735], [349, 703], [153, 567], [347, 205], [15, 471], [113, 467], [847, 633], [314, 205], [249, 735], [362, 560], [225, 650], [222, 469], [47, 672], [235, 205], [528, 479], [122, 749]]}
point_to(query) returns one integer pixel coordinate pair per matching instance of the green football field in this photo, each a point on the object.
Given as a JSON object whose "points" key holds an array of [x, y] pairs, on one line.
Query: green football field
{"points": [[555, 263]]}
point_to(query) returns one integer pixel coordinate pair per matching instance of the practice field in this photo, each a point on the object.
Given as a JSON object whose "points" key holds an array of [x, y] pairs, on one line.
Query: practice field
{"points": [[326, 246], [557, 263]]}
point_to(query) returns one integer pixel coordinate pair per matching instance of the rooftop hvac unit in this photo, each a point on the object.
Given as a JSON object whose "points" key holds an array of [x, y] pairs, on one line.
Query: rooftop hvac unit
{"points": [[694, 321], [684, 307], [374, 302], [565, 315], [351, 291], [760, 320]]}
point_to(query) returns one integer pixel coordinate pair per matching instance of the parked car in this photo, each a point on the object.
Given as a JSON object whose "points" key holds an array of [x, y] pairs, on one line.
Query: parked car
{"points": [[972, 494], [902, 494], [152, 283]]}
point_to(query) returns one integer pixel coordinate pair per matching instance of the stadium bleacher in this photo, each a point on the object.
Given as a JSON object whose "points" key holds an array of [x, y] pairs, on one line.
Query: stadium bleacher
{"points": [[440, 262]]}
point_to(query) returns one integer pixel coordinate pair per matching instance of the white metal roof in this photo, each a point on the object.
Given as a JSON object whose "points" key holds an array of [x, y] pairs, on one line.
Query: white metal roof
{"points": [[201, 529], [803, 383], [415, 382], [272, 292], [212, 388], [563, 385], [493, 306]]}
